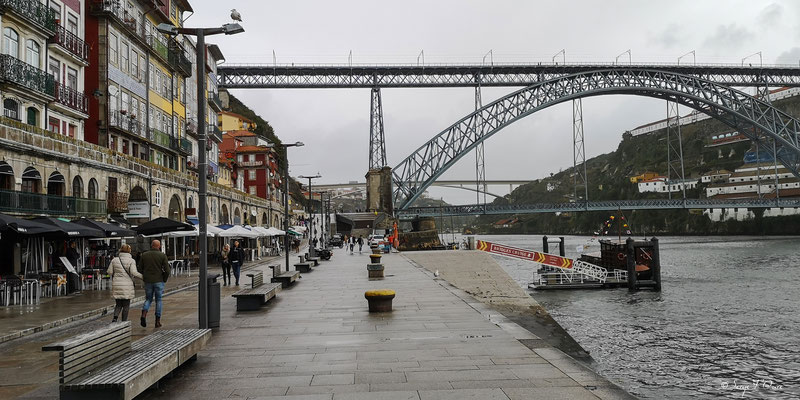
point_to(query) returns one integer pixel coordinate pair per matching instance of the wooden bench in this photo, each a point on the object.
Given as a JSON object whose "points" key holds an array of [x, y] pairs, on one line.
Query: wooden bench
{"points": [[312, 260], [104, 364], [286, 278], [257, 295]]}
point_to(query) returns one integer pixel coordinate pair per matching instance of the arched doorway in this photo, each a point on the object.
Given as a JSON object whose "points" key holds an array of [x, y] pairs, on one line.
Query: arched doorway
{"points": [[253, 220], [224, 217], [264, 220], [6, 176], [237, 216], [174, 212], [91, 193], [31, 181], [276, 222], [33, 116], [77, 186], [56, 184]]}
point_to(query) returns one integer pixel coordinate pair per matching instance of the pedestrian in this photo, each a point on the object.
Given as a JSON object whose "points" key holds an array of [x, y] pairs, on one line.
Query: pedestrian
{"points": [[226, 265], [236, 256], [155, 271], [360, 243], [352, 243], [123, 271], [315, 242], [73, 280]]}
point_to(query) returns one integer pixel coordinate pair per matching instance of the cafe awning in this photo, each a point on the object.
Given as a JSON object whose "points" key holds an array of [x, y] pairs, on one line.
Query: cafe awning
{"points": [[162, 225], [70, 229], [26, 226], [111, 230]]}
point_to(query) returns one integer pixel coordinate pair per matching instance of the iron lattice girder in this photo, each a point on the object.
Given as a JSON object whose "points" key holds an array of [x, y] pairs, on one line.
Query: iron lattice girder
{"points": [[538, 208], [735, 108], [346, 76], [377, 140]]}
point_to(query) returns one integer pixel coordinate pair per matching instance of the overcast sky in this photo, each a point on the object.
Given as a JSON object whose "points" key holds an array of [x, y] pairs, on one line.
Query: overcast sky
{"points": [[334, 123]]}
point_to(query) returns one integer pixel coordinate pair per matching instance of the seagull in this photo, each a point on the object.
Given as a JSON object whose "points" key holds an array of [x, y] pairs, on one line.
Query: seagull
{"points": [[236, 16]]}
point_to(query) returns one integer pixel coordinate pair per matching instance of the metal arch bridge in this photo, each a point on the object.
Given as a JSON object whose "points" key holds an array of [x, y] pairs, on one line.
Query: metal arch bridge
{"points": [[754, 118], [538, 208], [465, 75]]}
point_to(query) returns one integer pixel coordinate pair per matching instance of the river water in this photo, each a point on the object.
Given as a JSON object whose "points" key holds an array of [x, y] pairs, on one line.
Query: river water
{"points": [[727, 316]]}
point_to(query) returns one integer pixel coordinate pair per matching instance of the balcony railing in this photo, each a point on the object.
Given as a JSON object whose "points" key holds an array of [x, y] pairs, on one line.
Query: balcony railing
{"points": [[213, 100], [214, 133], [251, 163], [174, 143], [36, 203], [118, 11], [159, 47], [117, 202], [186, 146], [21, 73], [160, 138], [33, 11], [71, 42], [116, 119], [178, 60], [72, 98]]}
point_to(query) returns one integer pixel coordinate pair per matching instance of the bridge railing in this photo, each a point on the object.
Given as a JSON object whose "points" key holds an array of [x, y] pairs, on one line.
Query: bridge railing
{"points": [[504, 63]]}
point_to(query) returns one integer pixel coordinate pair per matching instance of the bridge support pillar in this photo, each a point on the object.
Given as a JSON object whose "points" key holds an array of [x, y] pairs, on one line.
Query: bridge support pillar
{"points": [[379, 190]]}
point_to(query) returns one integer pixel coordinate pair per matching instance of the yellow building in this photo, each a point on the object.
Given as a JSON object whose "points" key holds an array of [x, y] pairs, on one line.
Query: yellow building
{"points": [[229, 121], [643, 177]]}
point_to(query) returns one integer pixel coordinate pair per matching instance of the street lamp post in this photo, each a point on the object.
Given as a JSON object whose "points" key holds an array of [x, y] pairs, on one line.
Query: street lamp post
{"points": [[286, 201], [200, 34], [312, 251]]}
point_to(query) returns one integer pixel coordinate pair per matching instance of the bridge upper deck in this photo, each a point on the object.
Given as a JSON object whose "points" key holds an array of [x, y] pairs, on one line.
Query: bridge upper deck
{"points": [[368, 76]]}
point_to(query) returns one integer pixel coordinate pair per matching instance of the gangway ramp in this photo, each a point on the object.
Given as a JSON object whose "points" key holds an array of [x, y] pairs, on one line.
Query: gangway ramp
{"points": [[567, 265]]}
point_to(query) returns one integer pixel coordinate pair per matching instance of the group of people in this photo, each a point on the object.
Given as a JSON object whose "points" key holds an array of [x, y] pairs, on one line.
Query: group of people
{"points": [[232, 259], [352, 241], [153, 270]]}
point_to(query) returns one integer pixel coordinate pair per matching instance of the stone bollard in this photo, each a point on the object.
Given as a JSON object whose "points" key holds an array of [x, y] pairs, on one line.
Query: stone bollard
{"points": [[376, 250], [379, 300], [375, 270], [375, 258]]}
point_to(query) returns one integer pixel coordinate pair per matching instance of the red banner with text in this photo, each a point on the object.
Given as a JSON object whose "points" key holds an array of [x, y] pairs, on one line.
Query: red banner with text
{"points": [[535, 256]]}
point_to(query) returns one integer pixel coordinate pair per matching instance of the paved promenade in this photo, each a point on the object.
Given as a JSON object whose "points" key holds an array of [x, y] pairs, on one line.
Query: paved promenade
{"points": [[317, 341]]}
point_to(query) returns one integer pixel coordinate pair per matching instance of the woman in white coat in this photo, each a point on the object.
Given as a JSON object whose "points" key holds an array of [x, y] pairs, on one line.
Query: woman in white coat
{"points": [[122, 271]]}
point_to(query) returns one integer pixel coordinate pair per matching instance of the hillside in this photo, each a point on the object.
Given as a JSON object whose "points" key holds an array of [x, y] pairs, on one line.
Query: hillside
{"points": [[609, 179]]}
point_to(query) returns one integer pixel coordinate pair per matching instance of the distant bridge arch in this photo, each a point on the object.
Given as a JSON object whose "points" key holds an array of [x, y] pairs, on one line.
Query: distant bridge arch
{"points": [[735, 108]]}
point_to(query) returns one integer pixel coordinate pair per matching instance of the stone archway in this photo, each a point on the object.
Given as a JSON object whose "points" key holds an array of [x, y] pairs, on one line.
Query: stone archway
{"points": [[224, 218], [175, 211], [91, 191], [237, 216], [77, 186], [7, 179], [264, 220], [56, 184]]}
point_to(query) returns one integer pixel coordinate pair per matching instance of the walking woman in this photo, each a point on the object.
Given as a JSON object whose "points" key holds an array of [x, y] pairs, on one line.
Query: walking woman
{"points": [[122, 271], [226, 265]]}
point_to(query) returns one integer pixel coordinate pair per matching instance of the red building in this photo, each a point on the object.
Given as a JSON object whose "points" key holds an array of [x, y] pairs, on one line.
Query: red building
{"points": [[257, 170]]}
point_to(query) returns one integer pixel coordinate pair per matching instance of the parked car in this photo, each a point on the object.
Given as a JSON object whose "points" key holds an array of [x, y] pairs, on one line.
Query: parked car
{"points": [[375, 240], [336, 240]]}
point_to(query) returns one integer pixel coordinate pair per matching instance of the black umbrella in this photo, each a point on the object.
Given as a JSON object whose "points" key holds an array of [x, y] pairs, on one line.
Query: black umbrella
{"points": [[26, 226], [111, 231], [70, 229], [162, 225]]}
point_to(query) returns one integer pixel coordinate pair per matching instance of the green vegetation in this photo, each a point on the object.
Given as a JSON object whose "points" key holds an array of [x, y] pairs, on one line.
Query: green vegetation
{"points": [[609, 179]]}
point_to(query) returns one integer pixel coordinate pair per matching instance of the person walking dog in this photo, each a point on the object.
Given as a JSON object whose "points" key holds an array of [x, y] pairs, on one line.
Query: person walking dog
{"points": [[123, 271], [155, 270]]}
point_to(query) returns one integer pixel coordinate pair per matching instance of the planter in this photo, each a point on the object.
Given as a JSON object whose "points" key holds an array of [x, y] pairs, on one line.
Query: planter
{"points": [[375, 270], [379, 300], [375, 258]]}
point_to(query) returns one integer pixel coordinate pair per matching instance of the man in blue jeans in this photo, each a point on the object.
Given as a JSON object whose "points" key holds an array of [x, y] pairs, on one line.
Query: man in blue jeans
{"points": [[155, 270], [236, 256]]}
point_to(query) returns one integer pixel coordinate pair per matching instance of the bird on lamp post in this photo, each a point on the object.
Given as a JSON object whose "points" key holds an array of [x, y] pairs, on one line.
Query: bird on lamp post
{"points": [[236, 16]]}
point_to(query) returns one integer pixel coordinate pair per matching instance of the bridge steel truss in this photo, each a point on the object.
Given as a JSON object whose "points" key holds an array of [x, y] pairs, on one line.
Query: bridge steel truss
{"points": [[377, 139], [368, 77], [661, 204], [741, 111]]}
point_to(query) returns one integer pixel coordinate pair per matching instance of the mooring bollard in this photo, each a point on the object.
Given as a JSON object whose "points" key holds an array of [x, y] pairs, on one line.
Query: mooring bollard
{"points": [[379, 300]]}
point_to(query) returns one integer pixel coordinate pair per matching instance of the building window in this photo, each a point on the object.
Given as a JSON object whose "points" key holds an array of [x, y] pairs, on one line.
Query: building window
{"points": [[152, 77], [72, 24], [123, 57], [112, 48], [54, 67], [251, 174], [135, 64], [11, 42], [72, 129], [142, 66], [253, 190], [157, 197], [57, 8], [33, 53], [53, 124], [72, 78]]}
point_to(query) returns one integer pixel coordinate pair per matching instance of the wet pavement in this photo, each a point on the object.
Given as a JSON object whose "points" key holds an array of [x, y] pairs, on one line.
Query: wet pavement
{"points": [[316, 340]]}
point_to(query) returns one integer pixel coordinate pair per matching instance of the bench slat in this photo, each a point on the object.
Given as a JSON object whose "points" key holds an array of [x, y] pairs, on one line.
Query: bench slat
{"points": [[259, 291], [75, 370], [87, 337]]}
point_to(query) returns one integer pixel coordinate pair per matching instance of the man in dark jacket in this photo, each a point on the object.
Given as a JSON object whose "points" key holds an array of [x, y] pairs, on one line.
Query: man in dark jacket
{"points": [[155, 270], [236, 256]]}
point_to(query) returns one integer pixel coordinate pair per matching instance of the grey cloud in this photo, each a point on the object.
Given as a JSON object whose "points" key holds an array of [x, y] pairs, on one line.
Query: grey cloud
{"points": [[770, 15], [730, 37], [789, 57], [672, 36]]}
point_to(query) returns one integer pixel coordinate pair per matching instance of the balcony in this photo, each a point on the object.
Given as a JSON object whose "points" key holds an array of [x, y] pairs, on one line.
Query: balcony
{"points": [[159, 47], [126, 122], [23, 74], [117, 202], [160, 138], [213, 100], [214, 133], [72, 43], [72, 99], [251, 163], [116, 10], [36, 203], [186, 146], [33, 11], [178, 60]]}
